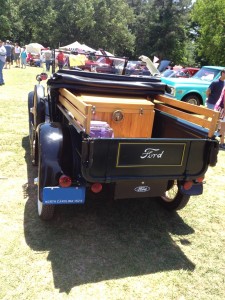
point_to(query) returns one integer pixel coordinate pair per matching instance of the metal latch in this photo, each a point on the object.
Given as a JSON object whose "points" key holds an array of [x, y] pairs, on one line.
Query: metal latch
{"points": [[93, 110], [141, 112]]}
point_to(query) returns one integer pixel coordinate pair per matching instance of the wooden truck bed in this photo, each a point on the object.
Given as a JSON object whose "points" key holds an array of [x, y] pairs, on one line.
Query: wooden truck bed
{"points": [[132, 117], [129, 117]]}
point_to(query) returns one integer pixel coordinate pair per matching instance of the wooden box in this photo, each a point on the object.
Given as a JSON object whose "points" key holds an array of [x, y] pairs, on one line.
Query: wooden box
{"points": [[129, 117]]}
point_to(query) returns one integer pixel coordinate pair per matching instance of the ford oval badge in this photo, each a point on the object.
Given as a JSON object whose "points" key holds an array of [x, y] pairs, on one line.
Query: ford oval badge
{"points": [[142, 189]]}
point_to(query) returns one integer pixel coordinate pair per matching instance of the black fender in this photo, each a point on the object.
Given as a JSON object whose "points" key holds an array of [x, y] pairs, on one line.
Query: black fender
{"points": [[50, 147], [55, 150], [39, 105]]}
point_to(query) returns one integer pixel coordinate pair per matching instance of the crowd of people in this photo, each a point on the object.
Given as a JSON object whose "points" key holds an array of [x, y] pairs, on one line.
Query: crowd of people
{"points": [[12, 54], [18, 56]]}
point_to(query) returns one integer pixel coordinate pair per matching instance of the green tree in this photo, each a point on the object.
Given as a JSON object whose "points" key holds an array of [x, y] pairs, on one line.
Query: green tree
{"points": [[124, 27], [5, 28], [209, 20], [72, 19], [161, 28], [36, 20], [112, 31], [98, 23]]}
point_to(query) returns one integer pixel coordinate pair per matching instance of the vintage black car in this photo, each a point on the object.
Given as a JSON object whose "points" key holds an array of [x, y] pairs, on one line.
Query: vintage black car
{"points": [[119, 136]]}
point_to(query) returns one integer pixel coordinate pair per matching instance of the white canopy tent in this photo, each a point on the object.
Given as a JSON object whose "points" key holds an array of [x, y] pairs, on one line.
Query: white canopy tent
{"points": [[34, 48], [106, 52], [87, 48], [76, 46]]}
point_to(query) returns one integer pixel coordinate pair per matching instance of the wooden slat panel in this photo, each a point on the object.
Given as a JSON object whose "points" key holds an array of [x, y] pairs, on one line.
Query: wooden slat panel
{"points": [[82, 106], [120, 102], [183, 115], [80, 110], [82, 119], [199, 115], [209, 124], [214, 124], [200, 110]]}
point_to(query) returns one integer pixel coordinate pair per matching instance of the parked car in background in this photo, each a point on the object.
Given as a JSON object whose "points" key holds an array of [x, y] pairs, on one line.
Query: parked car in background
{"points": [[137, 67], [183, 72], [193, 89], [33, 59], [105, 64]]}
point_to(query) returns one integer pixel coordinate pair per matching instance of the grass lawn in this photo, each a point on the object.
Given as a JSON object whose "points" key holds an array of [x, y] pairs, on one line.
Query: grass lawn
{"points": [[130, 250]]}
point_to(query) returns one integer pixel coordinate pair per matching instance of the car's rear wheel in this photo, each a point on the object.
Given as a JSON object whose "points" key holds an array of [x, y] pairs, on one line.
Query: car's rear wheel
{"points": [[174, 199]]}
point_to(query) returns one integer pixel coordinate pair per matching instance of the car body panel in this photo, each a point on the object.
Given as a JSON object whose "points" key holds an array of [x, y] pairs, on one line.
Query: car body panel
{"points": [[198, 84]]}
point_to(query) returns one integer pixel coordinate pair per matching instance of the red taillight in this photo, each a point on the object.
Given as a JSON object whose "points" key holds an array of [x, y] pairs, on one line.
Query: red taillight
{"points": [[187, 185], [44, 76], [96, 187], [200, 179], [65, 181]]}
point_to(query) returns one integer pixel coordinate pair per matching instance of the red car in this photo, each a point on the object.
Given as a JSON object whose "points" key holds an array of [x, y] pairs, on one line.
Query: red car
{"points": [[104, 64]]}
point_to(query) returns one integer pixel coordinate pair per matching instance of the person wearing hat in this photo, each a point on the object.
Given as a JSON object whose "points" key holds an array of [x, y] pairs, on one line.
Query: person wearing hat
{"points": [[8, 54], [214, 90], [2, 61]]}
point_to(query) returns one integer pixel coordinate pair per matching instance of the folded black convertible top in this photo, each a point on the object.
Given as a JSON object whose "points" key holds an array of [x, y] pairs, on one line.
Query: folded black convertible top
{"points": [[89, 82]]}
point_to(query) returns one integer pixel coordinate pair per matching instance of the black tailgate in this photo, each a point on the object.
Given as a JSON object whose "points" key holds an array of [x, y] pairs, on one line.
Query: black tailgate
{"points": [[110, 160]]}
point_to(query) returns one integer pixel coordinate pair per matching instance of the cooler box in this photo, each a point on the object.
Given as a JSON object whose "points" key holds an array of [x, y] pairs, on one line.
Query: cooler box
{"points": [[128, 117]]}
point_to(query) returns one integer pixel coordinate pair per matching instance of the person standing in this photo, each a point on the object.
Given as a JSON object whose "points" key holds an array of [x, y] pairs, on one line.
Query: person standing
{"points": [[220, 106], [17, 55], [23, 58], [214, 90], [48, 58], [8, 54], [2, 61], [12, 52], [60, 58]]}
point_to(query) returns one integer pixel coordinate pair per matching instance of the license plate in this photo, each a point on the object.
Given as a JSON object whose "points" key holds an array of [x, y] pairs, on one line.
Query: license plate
{"points": [[58, 195]]}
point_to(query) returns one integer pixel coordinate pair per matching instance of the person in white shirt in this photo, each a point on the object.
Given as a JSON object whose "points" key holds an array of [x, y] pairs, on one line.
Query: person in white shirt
{"points": [[48, 58], [2, 61], [17, 51]]}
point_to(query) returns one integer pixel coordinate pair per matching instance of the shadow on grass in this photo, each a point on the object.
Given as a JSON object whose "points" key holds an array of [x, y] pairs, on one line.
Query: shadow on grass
{"points": [[103, 240]]}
